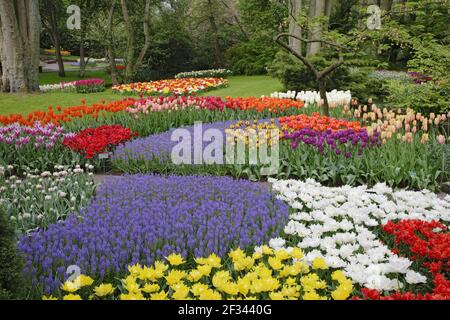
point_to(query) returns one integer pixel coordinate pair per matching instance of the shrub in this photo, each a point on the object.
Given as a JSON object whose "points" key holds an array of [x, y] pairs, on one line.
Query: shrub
{"points": [[249, 58], [425, 98], [10, 262]]}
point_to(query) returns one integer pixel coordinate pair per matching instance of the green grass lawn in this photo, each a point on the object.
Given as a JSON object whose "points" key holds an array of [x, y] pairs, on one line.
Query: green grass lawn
{"points": [[240, 86]]}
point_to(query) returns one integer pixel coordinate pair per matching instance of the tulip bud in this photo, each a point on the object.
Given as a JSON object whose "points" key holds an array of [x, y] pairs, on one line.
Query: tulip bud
{"points": [[441, 139]]}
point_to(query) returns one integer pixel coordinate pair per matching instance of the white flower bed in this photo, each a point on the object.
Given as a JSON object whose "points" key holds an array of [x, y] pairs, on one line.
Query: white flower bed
{"points": [[335, 98], [63, 86], [339, 225], [213, 73]]}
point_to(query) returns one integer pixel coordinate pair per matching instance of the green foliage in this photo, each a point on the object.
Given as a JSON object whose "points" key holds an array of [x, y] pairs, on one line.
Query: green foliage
{"points": [[250, 58], [11, 264], [296, 76], [431, 59], [426, 98]]}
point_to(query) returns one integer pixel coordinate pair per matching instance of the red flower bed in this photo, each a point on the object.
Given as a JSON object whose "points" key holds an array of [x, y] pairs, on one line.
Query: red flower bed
{"points": [[427, 243], [92, 141]]}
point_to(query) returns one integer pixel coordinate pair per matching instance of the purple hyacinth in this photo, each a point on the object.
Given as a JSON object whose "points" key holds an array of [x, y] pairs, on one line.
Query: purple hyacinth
{"points": [[142, 218]]}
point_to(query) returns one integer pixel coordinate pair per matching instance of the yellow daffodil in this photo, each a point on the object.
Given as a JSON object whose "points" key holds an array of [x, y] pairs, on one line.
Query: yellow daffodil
{"points": [[151, 288], [84, 281], [71, 297], [174, 277], [198, 288], [319, 264], [195, 275], [297, 253], [210, 295], [175, 259], [276, 296], [104, 290], [46, 298], [275, 263], [70, 287]]}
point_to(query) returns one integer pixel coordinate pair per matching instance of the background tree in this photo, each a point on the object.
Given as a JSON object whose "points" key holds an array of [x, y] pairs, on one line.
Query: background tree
{"points": [[19, 42], [53, 20]]}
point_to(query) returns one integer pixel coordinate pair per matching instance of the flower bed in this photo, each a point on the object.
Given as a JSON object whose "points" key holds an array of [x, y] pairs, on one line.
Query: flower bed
{"points": [[80, 86], [340, 225], [38, 146], [316, 122], [335, 98], [213, 73], [63, 116], [264, 275], [348, 142], [140, 219], [172, 87], [160, 104], [40, 199], [92, 141]]}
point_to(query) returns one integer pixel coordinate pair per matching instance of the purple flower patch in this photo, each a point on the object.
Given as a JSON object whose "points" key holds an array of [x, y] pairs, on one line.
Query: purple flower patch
{"points": [[142, 218]]}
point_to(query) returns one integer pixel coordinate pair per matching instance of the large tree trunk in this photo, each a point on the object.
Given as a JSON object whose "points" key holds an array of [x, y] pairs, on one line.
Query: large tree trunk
{"points": [[146, 46], [316, 32], [20, 24], [129, 70], [59, 58], [110, 48], [295, 9], [218, 59]]}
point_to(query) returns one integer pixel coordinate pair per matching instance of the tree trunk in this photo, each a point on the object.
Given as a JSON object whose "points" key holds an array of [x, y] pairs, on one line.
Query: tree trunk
{"points": [[212, 21], [328, 7], [82, 54], [110, 49], [236, 17], [144, 49], [129, 70], [20, 34], [385, 5], [323, 95], [59, 58], [295, 9], [316, 32]]}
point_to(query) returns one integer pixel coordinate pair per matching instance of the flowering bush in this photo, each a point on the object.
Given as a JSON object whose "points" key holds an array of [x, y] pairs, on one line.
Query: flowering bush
{"points": [[268, 274], [37, 146], [213, 73], [140, 219], [340, 224], [92, 141], [172, 87], [40, 199]]}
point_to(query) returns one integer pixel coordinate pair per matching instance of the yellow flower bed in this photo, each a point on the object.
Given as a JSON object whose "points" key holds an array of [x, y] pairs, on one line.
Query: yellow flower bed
{"points": [[265, 275]]}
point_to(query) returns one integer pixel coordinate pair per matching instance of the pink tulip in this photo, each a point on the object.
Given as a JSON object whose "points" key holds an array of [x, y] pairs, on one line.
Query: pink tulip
{"points": [[441, 139]]}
